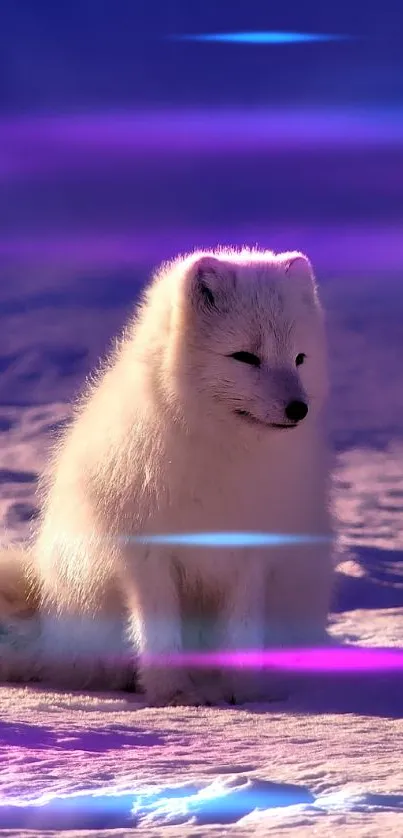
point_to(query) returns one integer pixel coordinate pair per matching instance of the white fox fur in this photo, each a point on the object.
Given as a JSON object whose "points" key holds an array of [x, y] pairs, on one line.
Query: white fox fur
{"points": [[177, 436]]}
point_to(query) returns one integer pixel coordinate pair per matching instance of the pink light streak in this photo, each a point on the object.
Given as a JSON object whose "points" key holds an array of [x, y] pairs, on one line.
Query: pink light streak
{"points": [[351, 659]]}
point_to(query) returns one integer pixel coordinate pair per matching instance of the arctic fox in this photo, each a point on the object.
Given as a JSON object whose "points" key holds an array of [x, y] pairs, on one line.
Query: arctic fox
{"points": [[208, 418]]}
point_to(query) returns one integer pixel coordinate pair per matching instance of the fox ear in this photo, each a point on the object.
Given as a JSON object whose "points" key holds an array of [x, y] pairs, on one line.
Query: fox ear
{"points": [[298, 269], [211, 284], [298, 266]]}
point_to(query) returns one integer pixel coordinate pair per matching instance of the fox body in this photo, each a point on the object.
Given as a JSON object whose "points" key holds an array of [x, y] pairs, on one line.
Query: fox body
{"points": [[207, 418]]}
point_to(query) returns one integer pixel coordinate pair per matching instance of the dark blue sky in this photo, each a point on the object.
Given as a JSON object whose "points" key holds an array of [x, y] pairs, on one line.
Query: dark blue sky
{"points": [[102, 54], [71, 186]]}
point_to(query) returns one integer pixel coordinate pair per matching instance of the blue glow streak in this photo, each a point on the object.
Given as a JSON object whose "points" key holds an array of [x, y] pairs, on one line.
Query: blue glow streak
{"points": [[261, 37], [161, 806], [226, 539]]}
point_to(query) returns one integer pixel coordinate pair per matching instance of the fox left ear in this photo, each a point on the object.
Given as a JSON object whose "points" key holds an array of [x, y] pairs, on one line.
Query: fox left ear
{"points": [[298, 265], [298, 268]]}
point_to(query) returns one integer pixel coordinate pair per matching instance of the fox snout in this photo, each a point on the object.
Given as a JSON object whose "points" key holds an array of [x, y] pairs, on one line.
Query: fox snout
{"points": [[291, 394], [296, 410]]}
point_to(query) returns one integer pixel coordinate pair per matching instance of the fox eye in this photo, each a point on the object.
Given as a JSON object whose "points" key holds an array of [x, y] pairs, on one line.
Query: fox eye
{"points": [[300, 359], [246, 358]]}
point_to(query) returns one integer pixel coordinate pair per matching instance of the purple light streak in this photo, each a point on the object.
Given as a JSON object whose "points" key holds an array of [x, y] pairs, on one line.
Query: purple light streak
{"points": [[43, 143], [337, 248], [347, 659]]}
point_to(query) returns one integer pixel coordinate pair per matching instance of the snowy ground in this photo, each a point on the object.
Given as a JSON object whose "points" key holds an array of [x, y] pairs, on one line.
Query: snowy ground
{"points": [[327, 761]]}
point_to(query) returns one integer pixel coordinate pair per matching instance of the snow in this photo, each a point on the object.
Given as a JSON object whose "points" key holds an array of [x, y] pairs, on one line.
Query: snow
{"points": [[327, 761]]}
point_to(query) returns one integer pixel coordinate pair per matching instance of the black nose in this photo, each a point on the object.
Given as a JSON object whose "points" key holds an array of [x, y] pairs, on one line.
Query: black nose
{"points": [[295, 411]]}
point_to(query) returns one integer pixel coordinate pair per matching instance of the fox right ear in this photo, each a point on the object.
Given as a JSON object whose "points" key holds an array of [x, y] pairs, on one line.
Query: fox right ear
{"points": [[211, 283]]}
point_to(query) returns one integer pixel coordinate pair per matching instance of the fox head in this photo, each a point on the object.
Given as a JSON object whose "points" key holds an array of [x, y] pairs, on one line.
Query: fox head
{"points": [[246, 342]]}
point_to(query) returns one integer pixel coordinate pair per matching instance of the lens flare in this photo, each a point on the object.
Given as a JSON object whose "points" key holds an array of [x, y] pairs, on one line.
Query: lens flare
{"points": [[325, 659], [218, 801], [261, 37], [226, 539]]}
